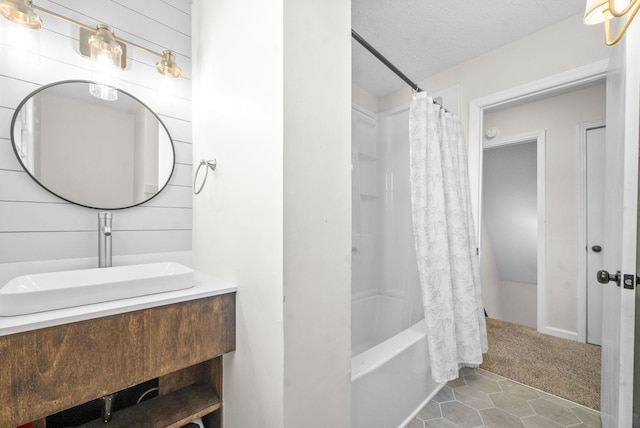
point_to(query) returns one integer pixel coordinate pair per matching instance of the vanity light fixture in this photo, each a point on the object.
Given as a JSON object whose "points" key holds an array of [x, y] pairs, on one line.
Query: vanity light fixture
{"points": [[168, 66], [106, 55], [104, 48], [20, 12], [598, 11], [101, 37]]}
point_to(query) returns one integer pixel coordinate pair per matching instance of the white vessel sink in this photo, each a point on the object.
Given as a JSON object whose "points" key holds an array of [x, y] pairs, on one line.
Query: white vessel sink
{"points": [[41, 292]]}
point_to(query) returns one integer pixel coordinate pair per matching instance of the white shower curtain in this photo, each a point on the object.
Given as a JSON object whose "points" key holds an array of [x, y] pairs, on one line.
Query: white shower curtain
{"points": [[445, 240]]}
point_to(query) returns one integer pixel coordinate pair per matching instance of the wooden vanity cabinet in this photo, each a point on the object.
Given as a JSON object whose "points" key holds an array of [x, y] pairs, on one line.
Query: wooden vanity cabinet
{"points": [[51, 369]]}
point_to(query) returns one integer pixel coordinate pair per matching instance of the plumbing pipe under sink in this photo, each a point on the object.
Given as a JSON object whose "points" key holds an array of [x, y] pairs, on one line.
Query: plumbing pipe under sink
{"points": [[104, 261], [107, 407]]}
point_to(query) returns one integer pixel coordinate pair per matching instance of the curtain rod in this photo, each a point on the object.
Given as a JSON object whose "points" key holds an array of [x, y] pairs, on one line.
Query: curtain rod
{"points": [[392, 67], [385, 61]]}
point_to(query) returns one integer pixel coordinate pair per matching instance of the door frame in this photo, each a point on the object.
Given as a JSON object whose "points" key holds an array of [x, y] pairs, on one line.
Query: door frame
{"points": [[541, 140], [553, 85], [582, 129]]}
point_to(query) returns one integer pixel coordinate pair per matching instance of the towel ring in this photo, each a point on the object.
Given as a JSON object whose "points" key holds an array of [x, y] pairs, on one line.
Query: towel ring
{"points": [[211, 164]]}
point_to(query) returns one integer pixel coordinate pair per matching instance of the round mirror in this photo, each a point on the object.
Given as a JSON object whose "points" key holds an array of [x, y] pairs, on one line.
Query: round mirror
{"points": [[92, 152]]}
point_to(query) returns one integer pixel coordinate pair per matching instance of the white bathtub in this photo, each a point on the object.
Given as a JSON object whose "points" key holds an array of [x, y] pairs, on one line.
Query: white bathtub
{"points": [[391, 381]]}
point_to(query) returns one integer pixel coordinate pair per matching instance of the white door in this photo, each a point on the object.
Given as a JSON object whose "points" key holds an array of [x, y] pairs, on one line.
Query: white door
{"points": [[621, 194], [595, 224]]}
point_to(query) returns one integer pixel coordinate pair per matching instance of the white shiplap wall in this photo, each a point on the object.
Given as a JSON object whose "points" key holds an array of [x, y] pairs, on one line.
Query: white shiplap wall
{"points": [[36, 226]]}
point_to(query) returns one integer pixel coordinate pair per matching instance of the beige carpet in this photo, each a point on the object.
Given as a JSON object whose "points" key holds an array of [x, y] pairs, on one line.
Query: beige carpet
{"points": [[558, 366]]}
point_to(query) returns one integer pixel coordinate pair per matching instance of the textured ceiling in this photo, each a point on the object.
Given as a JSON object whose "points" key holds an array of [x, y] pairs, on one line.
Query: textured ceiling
{"points": [[424, 37]]}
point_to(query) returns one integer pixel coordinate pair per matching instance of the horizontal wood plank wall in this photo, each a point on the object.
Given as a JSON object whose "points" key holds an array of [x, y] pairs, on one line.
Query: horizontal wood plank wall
{"points": [[35, 225]]}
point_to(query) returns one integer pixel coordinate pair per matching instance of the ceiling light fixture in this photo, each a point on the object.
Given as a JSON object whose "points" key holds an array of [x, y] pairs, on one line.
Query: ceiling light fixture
{"points": [[22, 13], [598, 11]]}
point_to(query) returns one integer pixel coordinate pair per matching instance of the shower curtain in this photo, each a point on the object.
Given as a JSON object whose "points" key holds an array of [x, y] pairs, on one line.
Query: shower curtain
{"points": [[445, 240]]}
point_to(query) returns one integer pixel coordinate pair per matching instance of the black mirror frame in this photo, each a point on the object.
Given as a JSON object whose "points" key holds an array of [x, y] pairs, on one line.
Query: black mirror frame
{"points": [[44, 87]]}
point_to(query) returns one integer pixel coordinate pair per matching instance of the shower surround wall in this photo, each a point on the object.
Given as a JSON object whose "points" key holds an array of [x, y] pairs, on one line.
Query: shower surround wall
{"points": [[366, 239], [385, 291], [386, 295], [49, 233], [389, 348]]}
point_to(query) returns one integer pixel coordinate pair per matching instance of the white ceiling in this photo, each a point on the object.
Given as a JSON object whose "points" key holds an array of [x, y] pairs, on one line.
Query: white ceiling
{"points": [[424, 37]]}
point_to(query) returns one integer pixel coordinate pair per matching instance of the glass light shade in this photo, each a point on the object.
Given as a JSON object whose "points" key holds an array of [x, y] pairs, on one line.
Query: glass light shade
{"points": [[168, 66], [103, 76], [21, 13], [19, 45], [104, 92], [594, 11], [104, 47], [166, 89], [106, 54]]}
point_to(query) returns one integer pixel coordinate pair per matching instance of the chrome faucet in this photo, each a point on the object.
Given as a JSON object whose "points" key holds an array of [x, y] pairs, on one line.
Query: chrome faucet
{"points": [[104, 239]]}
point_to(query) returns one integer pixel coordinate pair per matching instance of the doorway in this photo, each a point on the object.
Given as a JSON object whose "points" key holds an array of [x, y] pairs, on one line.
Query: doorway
{"points": [[560, 319], [513, 206], [558, 114]]}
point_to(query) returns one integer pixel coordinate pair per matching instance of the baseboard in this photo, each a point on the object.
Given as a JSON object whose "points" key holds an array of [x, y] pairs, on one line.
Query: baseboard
{"points": [[558, 332]]}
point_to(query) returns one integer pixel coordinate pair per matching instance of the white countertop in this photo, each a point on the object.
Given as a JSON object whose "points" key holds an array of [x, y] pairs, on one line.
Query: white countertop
{"points": [[205, 286]]}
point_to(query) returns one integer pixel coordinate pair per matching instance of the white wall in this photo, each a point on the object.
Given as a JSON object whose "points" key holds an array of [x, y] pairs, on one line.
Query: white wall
{"points": [[491, 280], [510, 209], [510, 232], [36, 226], [362, 98], [559, 116], [519, 303], [238, 217], [561, 47], [317, 213], [271, 103]]}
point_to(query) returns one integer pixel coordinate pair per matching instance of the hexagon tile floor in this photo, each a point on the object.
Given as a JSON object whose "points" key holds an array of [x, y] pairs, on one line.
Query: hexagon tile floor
{"points": [[482, 399]]}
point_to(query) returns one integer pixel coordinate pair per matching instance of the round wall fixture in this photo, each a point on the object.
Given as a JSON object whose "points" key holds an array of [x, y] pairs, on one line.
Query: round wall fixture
{"points": [[491, 133]]}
